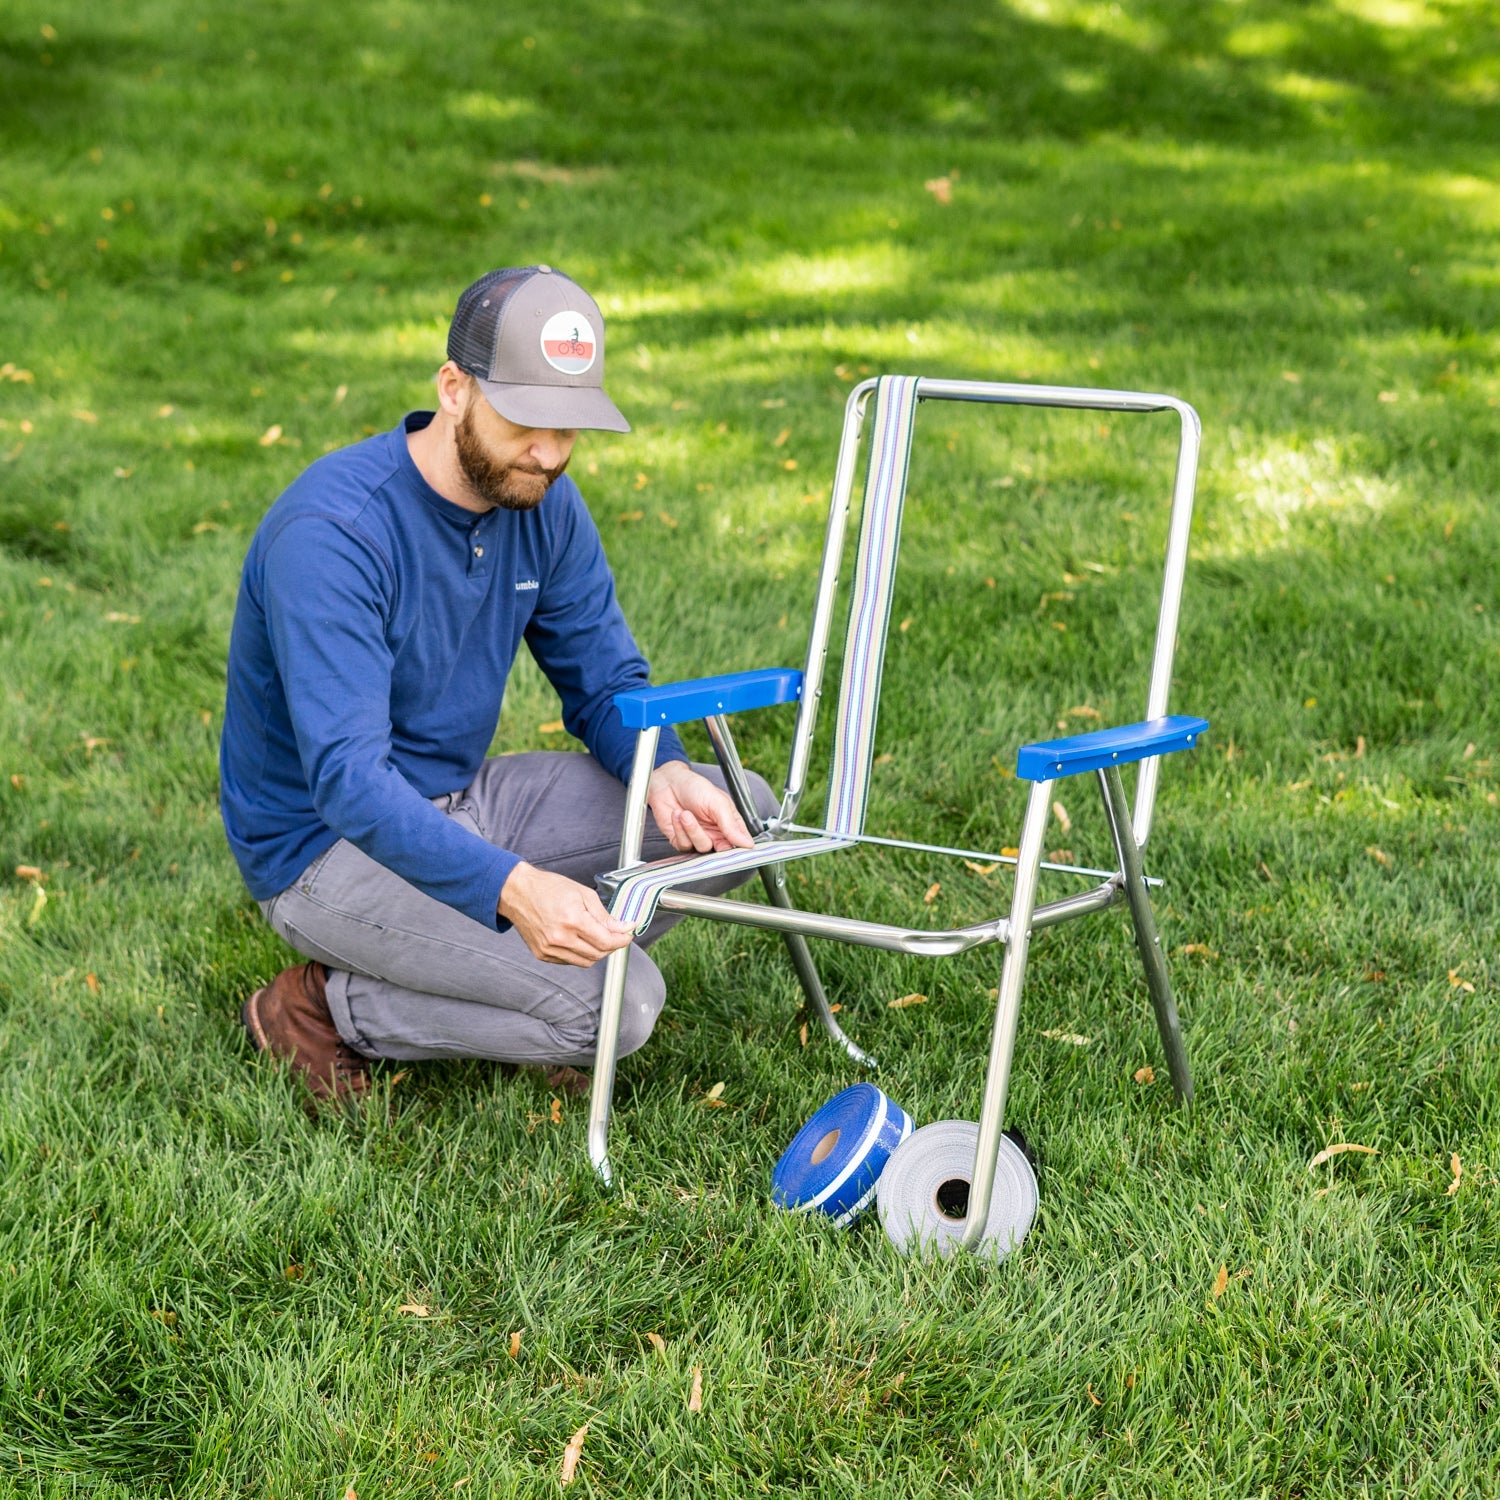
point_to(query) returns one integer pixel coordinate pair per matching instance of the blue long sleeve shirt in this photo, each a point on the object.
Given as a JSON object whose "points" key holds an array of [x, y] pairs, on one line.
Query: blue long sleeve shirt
{"points": [[375, 628]]}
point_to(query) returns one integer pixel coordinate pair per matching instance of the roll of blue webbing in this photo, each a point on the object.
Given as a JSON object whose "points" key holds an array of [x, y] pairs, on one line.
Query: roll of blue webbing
{"points": [[835, 1161]]}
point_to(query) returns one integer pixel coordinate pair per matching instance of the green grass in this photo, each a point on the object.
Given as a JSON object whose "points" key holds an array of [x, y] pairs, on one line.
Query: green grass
{"points": [[219, 220]]}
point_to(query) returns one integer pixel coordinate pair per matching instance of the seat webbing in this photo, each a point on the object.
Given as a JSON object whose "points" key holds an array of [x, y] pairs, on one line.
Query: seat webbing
{"points": [[870, 603], [636, 895]]}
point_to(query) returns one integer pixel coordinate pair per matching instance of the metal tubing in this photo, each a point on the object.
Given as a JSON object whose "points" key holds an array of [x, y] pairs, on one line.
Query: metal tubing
{"points": [[1007, 1011], [1073, 397], [773, 877], [1099, 899], [726, 752], [602, 1086], [999, 859], [1117, 811], [1171, 603], [842, 929], [917, 941]]}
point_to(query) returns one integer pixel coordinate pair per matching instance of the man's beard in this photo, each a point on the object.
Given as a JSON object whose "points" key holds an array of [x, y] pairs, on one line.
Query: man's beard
{"points": [[498, 484]]}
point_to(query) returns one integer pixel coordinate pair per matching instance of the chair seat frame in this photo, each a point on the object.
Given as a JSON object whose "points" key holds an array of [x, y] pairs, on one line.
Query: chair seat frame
{"points": [[636, 889]]}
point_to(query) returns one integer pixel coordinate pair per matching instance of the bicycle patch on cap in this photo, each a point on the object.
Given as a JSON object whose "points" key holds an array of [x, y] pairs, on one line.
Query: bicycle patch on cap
{"points": [[568, 342]]}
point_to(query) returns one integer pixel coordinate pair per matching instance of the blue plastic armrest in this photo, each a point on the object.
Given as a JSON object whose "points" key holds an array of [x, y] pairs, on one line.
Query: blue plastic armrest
{"points": [[1052, 759], [676, 702]]}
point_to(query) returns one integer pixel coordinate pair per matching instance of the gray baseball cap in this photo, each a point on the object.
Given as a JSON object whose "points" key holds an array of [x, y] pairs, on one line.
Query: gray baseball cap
{"points": [[534, 340]]}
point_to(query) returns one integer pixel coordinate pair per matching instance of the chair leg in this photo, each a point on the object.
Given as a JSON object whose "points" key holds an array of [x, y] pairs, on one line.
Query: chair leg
{"points": [[602, 1085], [1147, 940], [773, 877], [1007, 1012]]}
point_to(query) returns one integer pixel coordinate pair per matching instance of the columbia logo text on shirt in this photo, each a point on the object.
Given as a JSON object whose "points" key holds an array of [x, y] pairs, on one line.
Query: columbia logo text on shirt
{"points": [[527, 583]]}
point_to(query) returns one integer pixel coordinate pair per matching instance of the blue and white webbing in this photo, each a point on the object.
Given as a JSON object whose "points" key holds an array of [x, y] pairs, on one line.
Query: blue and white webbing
{"points": [[839, 1176], [870, 610], [637, 893]]}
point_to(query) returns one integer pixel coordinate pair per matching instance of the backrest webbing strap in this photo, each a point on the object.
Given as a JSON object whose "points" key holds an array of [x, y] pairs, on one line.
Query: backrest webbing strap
{"points": [[870, 603]]}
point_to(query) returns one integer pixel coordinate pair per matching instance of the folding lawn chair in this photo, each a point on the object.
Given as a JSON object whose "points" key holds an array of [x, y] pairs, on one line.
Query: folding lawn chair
{"points": [[636, 889]]}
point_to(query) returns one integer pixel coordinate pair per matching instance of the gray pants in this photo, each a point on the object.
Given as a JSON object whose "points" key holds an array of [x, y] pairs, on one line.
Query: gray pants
{"points": [[411, 978]]}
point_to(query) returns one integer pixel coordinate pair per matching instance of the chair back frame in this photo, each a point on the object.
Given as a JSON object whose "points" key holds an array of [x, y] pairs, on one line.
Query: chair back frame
{"points": [[898, 398]]}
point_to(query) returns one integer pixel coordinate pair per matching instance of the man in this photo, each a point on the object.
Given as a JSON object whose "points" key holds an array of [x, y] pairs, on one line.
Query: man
{"points": [[443, 899]]}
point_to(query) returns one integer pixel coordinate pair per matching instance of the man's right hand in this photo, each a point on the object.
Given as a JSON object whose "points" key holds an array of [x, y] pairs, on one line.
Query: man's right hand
{"points": [[561, 921]]}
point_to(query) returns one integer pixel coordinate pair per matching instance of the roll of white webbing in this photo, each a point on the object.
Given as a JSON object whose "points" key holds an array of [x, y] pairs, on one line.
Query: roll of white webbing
{"points": [[835, 1160], [924, 1193]]}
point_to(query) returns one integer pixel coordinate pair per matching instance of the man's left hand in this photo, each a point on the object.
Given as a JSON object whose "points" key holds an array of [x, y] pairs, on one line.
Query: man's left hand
{"points": [[693, 814]]}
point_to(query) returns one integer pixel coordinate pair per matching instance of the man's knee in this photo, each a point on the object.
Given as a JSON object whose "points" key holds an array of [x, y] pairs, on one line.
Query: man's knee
{"points": [[645, 995]]}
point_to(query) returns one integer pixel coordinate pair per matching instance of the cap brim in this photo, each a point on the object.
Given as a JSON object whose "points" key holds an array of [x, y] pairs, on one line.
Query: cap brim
{"points": [[559, 407]]}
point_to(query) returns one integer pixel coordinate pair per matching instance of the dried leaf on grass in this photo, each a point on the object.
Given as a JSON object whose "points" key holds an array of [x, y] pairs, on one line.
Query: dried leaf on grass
{"points": [[906, 1000], [1338, 1149], [1092, 1397], [714, 1098], [695, 1396], [932, 892], [552, 726], [571, 1454], [350, 1494], [1198, 950], [1072, 1038], [515, 1344], [1221, 1281], [1378, 855], [982, 869], [1459, 982], [941, 188], [1145, 1075], [92, 980], [1061, 814], [416, 1309], [29, 872], [802, 1033], [557, 1111], [271, 435], [1458, 1172], [657, 1342]]}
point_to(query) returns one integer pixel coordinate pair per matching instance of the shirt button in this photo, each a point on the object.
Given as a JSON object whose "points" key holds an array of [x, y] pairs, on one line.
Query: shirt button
{"points": [[479, 552]]}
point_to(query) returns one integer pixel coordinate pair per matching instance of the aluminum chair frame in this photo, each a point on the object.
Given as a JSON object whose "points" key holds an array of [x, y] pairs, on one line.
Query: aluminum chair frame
{"points": [[635, 889]]}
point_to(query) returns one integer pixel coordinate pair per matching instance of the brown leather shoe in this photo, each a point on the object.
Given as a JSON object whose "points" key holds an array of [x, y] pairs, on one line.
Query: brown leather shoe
{"points": [[289, 1018], [568, 1081]]}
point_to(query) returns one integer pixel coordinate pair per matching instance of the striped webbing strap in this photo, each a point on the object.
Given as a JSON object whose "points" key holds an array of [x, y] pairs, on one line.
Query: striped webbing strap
{"points": [[870, 603], [637, 893]]}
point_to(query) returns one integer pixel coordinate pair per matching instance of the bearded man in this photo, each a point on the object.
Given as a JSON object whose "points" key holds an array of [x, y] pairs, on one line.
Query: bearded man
{"points": [[441, 897]]}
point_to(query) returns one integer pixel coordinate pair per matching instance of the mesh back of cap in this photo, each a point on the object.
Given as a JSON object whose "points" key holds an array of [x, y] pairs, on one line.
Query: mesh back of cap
{"points": [[471, 335]]}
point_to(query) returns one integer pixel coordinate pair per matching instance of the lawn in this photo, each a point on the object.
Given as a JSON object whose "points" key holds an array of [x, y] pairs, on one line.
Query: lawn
{"points": [[230, 240]]}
